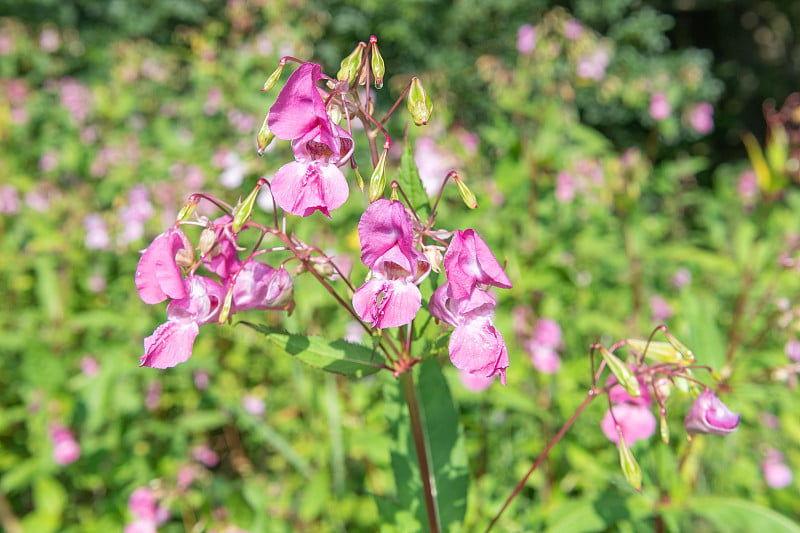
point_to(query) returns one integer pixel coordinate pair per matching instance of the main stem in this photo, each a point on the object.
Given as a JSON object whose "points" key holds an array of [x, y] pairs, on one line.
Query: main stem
{"points": [[410, 393]]}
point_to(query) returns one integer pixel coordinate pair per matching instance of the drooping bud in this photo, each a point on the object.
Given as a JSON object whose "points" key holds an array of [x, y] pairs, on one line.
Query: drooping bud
{"points": [[264, 137], [351, 65], [630, 468], [225, 312], [709, 415], [622, 372], [463, 190], [359, 179], [377, 182], [243, 210], [419, 105], [188, 208], [273, 78], [378, 68]]}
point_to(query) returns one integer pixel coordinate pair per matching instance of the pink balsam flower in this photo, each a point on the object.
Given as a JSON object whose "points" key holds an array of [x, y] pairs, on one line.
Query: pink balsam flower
{"points": [[709, 415], [158, 275], [468, 262], [636, 422]]}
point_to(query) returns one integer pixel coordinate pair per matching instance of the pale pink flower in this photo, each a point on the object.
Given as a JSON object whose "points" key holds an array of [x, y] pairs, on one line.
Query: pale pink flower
{"points": [[682, 278], [9, 200], [636, 422], [659, 308], [777, 473], [792, 349], [660, 107], [97, 237], [701, 117], [709, 415], [433, 164], [565, 187], [547, 332], [66, 449], [526, 39], [593, 65], [545, 359], [747, 186], [89, 366], [205, 455], [254, 405], [573, 29]]}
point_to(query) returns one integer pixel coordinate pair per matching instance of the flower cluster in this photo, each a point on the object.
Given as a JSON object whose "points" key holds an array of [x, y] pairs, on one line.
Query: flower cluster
{"points": [[197, 300], [313, 181], [464, 302], [148, 514]]}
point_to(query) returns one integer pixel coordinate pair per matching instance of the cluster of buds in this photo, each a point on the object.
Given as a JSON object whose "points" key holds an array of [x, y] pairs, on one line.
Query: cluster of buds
{"points": [[658, 369], [167, 270]]}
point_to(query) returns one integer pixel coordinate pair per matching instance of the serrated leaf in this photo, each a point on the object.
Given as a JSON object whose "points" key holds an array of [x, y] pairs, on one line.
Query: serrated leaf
{"points": [[339, 356], [411, 183]]}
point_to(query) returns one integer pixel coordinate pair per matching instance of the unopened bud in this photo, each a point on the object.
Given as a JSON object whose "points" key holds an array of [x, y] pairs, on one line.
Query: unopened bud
{"points": [[463, 190], [419, 105], [378, 68], [208, 242], [359, 179], [225, 312], [336, 114], [351, 65], [264, 137], [622, 372], [188, 208], [377, 182], [273, 78], [184, 257], [630, 468], [244, 210], [434, 256], [663, 428]]}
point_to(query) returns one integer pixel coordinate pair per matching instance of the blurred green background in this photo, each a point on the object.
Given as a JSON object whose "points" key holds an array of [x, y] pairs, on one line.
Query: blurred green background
{"points": [[112, 112]]}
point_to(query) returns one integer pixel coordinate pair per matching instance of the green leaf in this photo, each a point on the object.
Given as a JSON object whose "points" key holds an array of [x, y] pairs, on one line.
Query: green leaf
{"points": [[444, 441], [411, 183], [339, 356], [734, 515]]}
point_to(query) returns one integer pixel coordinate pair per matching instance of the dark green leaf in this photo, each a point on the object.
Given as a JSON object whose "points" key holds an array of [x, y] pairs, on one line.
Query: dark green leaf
{"points": [[411, 183]]}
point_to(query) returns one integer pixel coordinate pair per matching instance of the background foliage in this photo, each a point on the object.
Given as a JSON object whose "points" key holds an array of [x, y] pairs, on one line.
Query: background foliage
{"points": [[112, 112]]}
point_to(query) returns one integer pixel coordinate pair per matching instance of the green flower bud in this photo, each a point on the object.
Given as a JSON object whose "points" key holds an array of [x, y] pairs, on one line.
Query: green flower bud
{"points": [[225, 312], [463, 190], [351, 65], [264, 137], [419, 105], [378, 68], [630, 468], [244, 210], [359, 179], [622, 372], [377, 182], [273, 78], [188, 209]]}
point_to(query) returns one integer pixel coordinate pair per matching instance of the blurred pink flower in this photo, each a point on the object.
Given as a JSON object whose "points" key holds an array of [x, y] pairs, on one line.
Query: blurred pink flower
{"points": [[474, 382], [152, 398], [143, 505], [701, 117], [49, 40], [6, 44], [659, 308], [205, 455], [201, 379], [747, 186], [593, 65], [777, 473], [709, 415], [526, 39], [97, 237], [65, 448], [545, 359], [254, 405], [433, 163], [76, 98], [547, 332], [158, 275], [660, 108], [792, 349], [89, 366], [636, 422], [9, 200], [573, 29], [681, 278], [565, 187]]}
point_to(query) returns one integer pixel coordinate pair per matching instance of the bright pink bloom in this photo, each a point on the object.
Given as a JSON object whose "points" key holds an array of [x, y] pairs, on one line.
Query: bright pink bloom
{"points": [[387, 303], [635, 421], [659, 106], [302, 187], [149, 515], [158, 275], [384, 226], [171, 343], [299, 111], [468, 262], [223, 259], [478, 348], [709, 415]]}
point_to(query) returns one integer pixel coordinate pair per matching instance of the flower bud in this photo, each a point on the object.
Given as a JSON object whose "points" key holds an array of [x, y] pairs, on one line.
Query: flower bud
{"points": [[630, 468], [244, 210], [188, 209], [350, 66], [225, 312], [264, 137], [208, 242], [273, 78], [359, 179], [624, 375], [434, 255], [463, 190], [663, 427], [378, 68], [377, 182], [419, 105], [709, 415]]}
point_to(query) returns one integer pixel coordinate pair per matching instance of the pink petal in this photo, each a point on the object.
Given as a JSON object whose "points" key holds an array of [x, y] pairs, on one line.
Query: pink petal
{"points": [[171, 343], [478, 348], [302, 188], [387, 303], [385, 225], [158, 276], [299, 106], [469, 261]]}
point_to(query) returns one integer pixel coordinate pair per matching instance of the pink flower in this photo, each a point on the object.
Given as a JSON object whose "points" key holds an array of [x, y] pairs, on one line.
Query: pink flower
{"points": [[254, 405], [659, 308], [526, 39], [89, 366], [776, 472], [593, 65], [158, 275], [709, 415], [312, 182], [149, 515], [468, 262], [636, 422], [701, 118], [205, 455], [792, 350], [565, 187], [384, 231], [573, 29], [259, 286], [747, 186], [659, 106], [544, 358], [66, 449], [171, 343], [547, 333], [475, 382], [387, 303], [681, 278]]}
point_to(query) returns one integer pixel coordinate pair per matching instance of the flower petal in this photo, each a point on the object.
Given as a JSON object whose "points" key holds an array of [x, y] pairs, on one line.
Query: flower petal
{"points": [[302, 188], [158, 275], [387, 303], [171, 343]]}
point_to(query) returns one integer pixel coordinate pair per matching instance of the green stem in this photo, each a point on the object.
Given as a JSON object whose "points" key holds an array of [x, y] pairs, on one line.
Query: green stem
{"points": [[410, 393]]}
